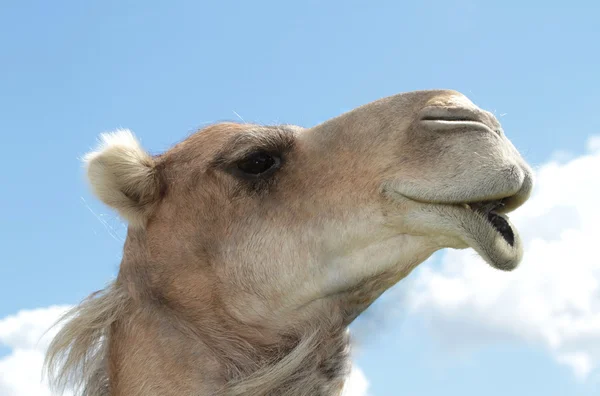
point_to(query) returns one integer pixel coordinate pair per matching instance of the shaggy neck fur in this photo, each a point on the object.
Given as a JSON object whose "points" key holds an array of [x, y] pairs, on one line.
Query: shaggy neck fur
{"points": [[130, 340], [114, 352], [217, 359]]}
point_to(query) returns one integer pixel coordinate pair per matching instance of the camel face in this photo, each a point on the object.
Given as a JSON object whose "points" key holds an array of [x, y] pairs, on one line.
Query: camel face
{"points": [[276, 222], [463, 178]]}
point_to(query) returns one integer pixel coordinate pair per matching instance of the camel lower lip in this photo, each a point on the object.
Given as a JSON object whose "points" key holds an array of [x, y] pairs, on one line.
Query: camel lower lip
{"points": [[493, 236]]}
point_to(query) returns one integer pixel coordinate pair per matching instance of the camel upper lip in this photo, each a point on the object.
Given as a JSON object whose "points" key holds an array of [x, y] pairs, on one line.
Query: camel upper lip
{"points": [[500, 204]]}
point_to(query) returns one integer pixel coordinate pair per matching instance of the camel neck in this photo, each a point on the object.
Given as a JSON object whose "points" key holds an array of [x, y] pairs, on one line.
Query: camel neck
{"points": [[151, 355]]}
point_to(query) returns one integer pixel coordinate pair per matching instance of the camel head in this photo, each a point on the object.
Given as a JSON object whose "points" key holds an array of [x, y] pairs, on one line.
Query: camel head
{"points": [[251, 248], [279, 222]]}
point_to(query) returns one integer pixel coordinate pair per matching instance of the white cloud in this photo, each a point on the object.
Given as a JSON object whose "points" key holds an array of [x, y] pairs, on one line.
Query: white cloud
{"points": [[594, 144], [23, 334], [356, 384], [553, 299]]}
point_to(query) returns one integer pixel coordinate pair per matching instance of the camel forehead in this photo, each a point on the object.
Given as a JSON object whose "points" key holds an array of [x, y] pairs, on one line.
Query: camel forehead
{"points": [[209, 138], [225, 133], [211, 141]]}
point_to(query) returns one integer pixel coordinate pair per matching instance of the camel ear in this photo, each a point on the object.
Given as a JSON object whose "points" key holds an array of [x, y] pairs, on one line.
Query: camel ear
{"points": [[124, 176]]}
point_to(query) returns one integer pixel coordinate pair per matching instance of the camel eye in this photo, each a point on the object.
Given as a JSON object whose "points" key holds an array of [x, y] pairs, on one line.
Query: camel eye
{"points": [[257, 164]]}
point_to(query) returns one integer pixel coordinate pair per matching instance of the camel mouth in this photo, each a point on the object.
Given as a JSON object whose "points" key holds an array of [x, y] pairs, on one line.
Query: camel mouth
{"points": [[487, 229], [482, 225], [490, 211]]}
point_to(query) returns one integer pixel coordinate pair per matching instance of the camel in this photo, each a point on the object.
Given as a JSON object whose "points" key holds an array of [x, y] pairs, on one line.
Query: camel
{"points": [[250, 248]]}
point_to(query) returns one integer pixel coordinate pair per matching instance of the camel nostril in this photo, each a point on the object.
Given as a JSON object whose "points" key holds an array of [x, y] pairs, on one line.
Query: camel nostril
{"points": [[440, 119], [457, 114]]}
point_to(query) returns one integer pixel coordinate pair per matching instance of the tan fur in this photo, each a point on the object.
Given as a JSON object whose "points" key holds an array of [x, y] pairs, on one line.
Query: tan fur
{"points": [[81, 346], [237, 286]]}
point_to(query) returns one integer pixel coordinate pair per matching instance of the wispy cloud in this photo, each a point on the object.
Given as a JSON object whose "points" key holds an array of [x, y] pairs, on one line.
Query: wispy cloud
{"points": [[23, 334], [553, 299], [356, 384]]}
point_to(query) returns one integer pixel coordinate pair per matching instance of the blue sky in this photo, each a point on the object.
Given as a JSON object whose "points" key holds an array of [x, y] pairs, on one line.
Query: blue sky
{"points": [[71, 70]]}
